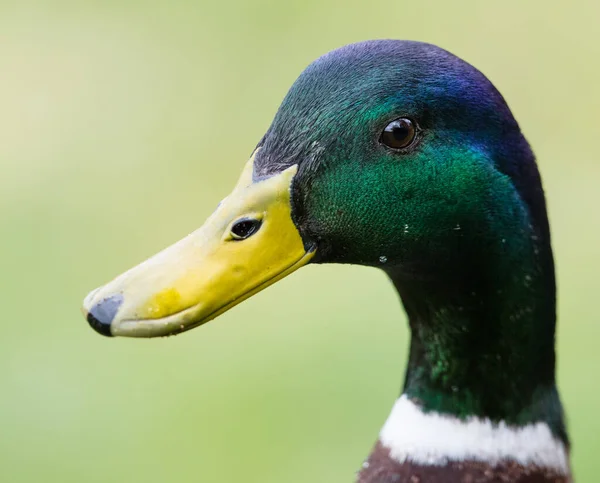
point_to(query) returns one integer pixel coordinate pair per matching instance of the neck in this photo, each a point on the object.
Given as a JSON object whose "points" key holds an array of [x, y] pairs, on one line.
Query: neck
{"points": [[479, 396], [482, 333]]}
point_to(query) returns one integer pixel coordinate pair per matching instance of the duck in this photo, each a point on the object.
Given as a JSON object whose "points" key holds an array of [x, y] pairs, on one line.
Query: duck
{"points": [[400, 156]]}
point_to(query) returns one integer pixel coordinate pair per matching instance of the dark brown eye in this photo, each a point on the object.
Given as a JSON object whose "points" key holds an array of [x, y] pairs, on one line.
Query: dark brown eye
{"points": [[245, 228], [399, 134]]}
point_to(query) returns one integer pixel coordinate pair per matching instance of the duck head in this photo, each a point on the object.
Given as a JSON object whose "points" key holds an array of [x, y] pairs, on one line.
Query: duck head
{"points": [[391, 154]]}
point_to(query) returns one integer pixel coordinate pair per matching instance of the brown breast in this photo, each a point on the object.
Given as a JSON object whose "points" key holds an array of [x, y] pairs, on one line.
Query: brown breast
{"points": [[381, 468]]}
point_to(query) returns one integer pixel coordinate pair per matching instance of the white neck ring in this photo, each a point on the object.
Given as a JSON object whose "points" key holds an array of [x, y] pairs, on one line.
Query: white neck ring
{"points": [[431, 438]]}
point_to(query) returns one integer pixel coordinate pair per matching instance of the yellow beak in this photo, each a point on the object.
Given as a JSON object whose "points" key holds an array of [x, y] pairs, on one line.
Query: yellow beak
{"points": [[247, 244]]}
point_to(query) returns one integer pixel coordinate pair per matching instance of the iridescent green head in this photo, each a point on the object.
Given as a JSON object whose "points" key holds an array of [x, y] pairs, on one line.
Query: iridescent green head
{"points": [[419, 200]]}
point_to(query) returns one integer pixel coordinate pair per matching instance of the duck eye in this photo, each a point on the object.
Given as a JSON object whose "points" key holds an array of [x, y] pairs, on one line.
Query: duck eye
{"points": [[399, 134], [245, 228]]}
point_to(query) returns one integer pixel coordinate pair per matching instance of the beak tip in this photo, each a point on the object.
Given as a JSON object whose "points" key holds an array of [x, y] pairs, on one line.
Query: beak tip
{"points": [[101, 315], [98, 325]]}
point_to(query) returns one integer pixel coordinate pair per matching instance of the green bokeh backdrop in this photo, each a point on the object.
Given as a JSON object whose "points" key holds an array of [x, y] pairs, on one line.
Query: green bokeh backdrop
{"points": [[123, 123]]}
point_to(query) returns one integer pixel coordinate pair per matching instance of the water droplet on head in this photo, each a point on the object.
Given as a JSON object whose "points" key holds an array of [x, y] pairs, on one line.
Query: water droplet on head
{"points": [[405, 228], [382, 259]]}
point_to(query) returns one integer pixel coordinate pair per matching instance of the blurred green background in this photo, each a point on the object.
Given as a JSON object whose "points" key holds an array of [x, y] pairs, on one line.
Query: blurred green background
{"points": [[123, 123]]}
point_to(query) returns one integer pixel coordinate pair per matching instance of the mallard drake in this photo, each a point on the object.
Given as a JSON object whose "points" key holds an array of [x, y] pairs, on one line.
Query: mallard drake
{"points": [[400, 156]]}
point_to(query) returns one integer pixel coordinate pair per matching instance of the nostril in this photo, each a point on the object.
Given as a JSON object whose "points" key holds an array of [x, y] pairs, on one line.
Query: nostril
{"points": [[244, 228], [102, 314]]}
